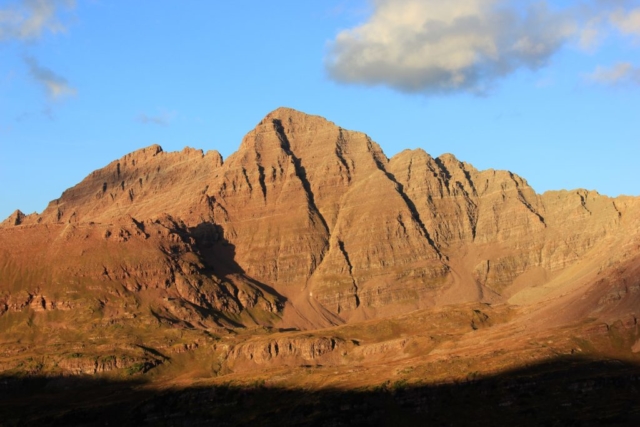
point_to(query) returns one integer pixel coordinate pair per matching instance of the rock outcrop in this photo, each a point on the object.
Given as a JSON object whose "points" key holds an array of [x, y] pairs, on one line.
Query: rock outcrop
{"points": [[289, 351]]}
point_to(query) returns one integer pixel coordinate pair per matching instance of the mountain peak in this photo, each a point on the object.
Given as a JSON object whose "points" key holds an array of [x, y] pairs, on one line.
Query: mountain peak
{"points": [[15, 218], [293, 116], [150, 151], [247, 266]]}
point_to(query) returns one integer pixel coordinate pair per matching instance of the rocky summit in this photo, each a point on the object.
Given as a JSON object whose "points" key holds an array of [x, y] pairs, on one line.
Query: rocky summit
{"points": [[309, 268]]}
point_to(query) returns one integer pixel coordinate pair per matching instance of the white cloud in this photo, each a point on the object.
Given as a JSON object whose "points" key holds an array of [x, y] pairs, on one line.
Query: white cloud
{"points": [[618, 74], [435, 46], [55, 85], [627, 22], [28, 19], [591, 33], [162, 119]]}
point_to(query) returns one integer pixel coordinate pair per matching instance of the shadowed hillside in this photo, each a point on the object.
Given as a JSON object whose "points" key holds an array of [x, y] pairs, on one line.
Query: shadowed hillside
{"points": [[566, 391]]}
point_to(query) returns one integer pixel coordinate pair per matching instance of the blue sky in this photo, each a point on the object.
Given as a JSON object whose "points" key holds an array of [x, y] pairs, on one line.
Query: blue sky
{"points": [[550, 91]]}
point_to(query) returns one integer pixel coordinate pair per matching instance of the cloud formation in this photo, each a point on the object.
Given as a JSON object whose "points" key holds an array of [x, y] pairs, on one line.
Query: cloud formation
{"points": [[434, 46], [162, 119], [627, 22], [442, 47], [605, 18], [592, 33], [28, 19], [55, 85], [618, 74]]}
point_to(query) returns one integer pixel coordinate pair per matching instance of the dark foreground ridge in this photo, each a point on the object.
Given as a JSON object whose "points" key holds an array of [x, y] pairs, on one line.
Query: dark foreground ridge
{"points": [[568, 391]]}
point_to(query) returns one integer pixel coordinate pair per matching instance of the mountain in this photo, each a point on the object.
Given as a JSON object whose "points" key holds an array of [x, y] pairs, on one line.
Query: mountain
{"points": [[309, 245]]}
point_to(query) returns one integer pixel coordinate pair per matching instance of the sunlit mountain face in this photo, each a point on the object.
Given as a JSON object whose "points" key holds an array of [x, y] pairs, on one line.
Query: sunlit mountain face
{"points": [[309, 279]]}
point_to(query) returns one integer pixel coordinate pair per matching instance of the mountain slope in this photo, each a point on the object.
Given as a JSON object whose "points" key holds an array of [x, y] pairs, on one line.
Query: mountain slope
{"points": [[306, 226]]}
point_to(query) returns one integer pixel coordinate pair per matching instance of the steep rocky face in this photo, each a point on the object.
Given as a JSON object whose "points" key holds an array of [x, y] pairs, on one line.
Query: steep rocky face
{"points": [[499, 214], [309, 214], [142, 184], [263, 202], [300, 202]]}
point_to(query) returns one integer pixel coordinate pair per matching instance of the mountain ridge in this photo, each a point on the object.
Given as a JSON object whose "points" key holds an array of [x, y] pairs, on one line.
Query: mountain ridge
{"points": [[307, 228]]}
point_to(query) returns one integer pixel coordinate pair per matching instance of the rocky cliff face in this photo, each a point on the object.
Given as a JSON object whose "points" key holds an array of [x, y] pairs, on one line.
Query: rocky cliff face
{"points": [[305, 216]]}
